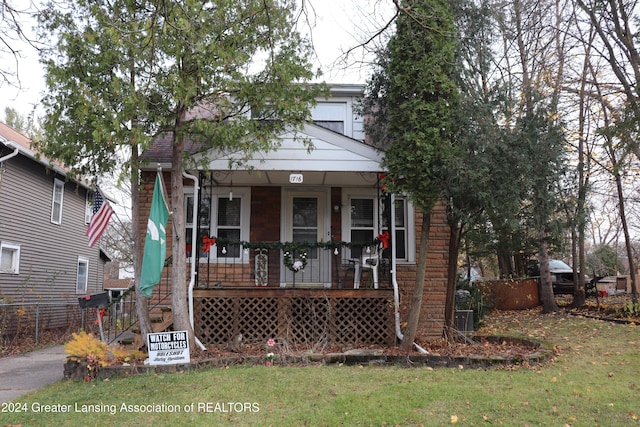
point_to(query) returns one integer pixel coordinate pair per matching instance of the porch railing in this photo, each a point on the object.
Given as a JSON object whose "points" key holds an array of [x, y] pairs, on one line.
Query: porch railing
{"points": [[120, 319], [336, 265]]}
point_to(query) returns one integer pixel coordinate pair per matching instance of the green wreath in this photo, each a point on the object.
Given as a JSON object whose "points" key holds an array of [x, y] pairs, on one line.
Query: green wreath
{"points": [[295, 265]]}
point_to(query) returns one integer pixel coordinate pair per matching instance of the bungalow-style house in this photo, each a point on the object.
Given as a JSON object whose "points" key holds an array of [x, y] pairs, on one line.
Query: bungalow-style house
{"points": [[45, 259], [304, 246]]}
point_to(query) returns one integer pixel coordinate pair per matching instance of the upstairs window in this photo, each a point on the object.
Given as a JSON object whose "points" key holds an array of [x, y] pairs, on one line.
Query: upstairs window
{"points": [[331, 115], [88, 208], [56, 202]]}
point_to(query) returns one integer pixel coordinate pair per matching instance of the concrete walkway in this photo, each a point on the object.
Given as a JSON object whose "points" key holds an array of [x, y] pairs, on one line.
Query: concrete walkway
{"points": [[29, 371]]}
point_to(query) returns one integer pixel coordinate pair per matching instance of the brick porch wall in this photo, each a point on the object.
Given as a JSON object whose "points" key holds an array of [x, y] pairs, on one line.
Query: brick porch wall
{"points": [[433, 301]]}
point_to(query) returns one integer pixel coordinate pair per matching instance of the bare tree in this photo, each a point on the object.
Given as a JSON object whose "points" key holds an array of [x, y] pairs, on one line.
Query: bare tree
{"points": [[14, 36], [612, 21]]}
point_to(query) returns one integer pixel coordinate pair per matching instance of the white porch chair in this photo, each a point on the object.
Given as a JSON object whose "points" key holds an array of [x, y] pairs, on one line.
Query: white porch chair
{"points": [[368, 261]]}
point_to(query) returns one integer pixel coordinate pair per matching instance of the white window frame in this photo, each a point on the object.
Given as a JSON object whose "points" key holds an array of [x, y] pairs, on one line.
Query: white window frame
{"points": [[372, 193], [242, 193], [83, 289], [57, 184], [190, 221], [359, 193], [88, 207], [410, 231], [14, 249], [336, 109]]}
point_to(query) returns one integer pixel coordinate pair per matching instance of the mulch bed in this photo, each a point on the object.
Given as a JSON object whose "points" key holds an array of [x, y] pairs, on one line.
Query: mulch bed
{"points": [[488, 352], [477, 346]]}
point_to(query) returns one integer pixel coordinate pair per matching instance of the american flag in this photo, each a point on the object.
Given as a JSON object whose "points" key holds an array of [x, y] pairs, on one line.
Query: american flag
{"points": [[102, 212]]}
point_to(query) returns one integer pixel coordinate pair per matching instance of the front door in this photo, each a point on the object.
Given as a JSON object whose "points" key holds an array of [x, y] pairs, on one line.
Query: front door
{"points": [[305, 222]]}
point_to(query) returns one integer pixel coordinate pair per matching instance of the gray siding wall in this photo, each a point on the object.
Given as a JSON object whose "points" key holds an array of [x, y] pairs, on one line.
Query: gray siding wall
{"points": [[49, 252]]}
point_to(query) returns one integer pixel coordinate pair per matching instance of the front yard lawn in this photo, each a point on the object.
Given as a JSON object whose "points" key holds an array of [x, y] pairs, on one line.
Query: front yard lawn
{"points": [[593, 380]]}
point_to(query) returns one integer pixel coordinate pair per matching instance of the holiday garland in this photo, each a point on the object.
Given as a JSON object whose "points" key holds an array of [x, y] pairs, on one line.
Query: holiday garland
{"points": [[287, 246]]}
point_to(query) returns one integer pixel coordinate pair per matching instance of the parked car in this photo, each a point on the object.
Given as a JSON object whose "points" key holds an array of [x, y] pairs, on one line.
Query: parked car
{"points": [[561, 276]]}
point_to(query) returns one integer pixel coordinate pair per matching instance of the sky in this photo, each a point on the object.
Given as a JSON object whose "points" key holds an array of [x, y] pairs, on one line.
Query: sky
{"points": [[339, 25]]}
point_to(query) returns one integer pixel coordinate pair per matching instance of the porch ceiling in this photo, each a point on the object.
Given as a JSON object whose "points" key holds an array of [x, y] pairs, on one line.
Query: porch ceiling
{"points": [[309, 178]]}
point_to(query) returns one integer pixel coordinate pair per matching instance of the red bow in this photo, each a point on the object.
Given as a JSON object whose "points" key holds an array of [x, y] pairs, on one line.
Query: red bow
{"points": [[384, 239], [101, 313], [207, 242]]}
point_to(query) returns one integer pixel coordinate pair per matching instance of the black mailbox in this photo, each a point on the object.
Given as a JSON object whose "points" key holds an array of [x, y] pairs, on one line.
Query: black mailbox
{"points": [[95, 300]]}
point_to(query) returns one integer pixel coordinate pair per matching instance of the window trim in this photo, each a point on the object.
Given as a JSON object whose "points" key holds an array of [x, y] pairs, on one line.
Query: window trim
{"points": [[85, 261], [57, 184], [88, 207], [338, 108], [15, 265], [366, 193], [242, 193], [410, 227], [357, 193]]}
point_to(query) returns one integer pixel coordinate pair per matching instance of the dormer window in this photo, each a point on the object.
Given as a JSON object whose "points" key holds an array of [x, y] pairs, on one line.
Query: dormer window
{"points": [[332, 116]]}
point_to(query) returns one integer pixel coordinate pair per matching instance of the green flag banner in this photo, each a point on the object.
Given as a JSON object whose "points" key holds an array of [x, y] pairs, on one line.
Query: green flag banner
{"points": [[155, 245]]}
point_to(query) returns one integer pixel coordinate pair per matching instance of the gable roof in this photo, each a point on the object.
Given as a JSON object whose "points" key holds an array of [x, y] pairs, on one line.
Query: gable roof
{"points": [[14, 140], [8, 134], [330, 152]]}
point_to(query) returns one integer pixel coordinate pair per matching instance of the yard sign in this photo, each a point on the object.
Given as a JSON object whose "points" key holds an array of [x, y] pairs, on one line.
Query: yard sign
{"points": [[168, 348]]}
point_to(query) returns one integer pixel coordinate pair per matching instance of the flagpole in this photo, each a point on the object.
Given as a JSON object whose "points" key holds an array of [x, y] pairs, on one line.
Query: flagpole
{"points": [[162, 187]]}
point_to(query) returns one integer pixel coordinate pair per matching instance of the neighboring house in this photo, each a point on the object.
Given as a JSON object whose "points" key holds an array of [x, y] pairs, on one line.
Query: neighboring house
{"points": [[45, 259], [323, 208]]}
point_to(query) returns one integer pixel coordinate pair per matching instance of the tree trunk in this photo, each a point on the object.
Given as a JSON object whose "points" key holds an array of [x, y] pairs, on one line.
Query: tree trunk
{"points": [[179, 267], [579, 290], [142, 303], [579, 297], [546, 288], [505, 259], [418, 290], [627, 238]]}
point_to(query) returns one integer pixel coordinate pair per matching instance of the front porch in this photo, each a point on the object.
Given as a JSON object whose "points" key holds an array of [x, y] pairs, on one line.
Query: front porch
{"points": [[258, 293], [312, 318], [332, 265]]}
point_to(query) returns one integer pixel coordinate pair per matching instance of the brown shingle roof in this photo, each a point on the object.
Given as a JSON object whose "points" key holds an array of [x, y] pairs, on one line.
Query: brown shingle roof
{"points": [[10, 134], [160, 150], [11, 138]]}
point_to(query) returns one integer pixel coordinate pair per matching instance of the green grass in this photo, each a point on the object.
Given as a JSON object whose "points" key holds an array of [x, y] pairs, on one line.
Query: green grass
{"points": [[594, 380]]}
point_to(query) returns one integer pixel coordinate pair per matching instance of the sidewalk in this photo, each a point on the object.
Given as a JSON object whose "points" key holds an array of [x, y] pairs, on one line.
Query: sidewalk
{"points": [[27, 372]]}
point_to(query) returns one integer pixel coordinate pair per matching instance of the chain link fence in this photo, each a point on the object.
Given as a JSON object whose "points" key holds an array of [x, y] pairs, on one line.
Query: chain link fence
{"points": [[21, 321]]}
